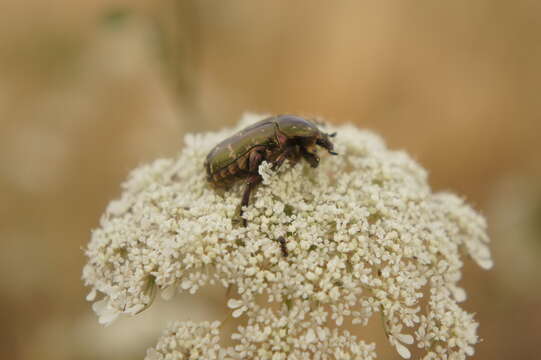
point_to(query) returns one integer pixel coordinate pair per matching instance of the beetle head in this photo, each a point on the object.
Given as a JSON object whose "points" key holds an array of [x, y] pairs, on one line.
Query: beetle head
{"points": [[325, 143]]}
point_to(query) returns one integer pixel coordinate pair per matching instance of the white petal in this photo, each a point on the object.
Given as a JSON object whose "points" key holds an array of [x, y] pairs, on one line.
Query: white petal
{"points": [[486, 264], [186, 284], [458, 293], [234, 303], [310, 336], [239, 312], [152, 354], [100, 306], [321, 333], [135, 309], [108, 318], [402, 350], [405, 338], [91, 295], [169, 292]]}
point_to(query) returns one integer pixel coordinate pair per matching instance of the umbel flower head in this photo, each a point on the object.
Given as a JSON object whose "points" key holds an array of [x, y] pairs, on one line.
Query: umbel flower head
{"points": [[365, 238]]}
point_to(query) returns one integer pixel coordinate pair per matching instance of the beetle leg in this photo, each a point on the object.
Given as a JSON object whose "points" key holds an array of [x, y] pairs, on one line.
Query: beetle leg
{"points": [[250, 185], [281, 138], [311, 157], [280, 159], [254, 159]]}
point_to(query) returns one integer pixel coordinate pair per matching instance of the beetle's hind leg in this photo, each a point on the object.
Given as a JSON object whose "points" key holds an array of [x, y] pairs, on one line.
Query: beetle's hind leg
{"points": [[252, 182], [254, 160]]}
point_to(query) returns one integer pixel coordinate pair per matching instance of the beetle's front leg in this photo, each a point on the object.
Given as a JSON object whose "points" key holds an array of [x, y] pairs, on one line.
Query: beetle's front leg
{"points": [[281, 158], [311, 157]]}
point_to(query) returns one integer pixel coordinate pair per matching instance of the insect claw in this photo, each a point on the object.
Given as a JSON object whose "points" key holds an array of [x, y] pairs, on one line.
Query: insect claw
{"points": [[332, 135], [333, 153]]}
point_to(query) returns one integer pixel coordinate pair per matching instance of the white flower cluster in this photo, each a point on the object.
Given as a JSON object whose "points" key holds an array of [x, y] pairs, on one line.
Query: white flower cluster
{"points": [[188, 340], [267, 335], [364, 234]]}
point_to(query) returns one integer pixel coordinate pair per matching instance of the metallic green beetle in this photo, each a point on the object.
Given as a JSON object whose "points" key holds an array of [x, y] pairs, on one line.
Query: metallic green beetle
{"points": [[273, 139]]}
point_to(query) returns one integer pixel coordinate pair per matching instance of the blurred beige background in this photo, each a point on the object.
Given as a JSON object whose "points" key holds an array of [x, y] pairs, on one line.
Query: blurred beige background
{"points": [[89, 90]]}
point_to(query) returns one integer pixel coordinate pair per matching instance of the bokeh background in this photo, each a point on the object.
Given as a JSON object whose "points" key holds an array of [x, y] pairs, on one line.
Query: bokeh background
{"points": [[91, 89]]}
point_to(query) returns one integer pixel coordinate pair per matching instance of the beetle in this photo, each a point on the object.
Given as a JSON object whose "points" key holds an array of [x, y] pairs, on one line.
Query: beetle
{"points": [[273, 139]]}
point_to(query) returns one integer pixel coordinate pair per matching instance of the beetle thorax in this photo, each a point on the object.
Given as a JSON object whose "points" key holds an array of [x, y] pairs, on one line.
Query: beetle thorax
{"points": [[295, 127]]}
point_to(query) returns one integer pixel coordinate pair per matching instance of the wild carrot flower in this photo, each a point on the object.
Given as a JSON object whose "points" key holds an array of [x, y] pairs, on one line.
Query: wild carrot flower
{"points": [[365, 237]]}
